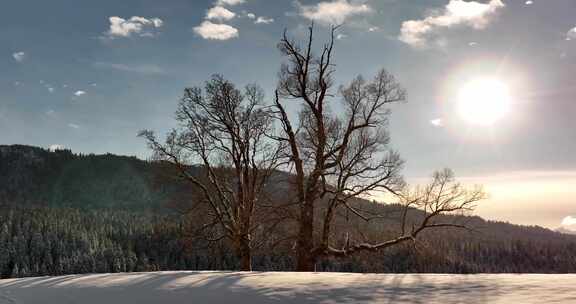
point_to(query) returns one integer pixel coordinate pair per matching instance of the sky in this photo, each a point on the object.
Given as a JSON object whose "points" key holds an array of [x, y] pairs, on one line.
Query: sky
{"points": [[88, 75]]}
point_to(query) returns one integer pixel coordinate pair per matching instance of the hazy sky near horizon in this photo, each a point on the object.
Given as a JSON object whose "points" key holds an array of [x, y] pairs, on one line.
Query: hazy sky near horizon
{"points": [[88, 75]]}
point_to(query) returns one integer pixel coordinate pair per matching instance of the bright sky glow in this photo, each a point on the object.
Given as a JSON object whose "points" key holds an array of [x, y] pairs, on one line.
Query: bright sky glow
{"points": [[484, 101]]}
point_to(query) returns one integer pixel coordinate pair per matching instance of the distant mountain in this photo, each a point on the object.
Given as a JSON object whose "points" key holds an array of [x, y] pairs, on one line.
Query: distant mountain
{"points": [[32, 176], [93, 214]]}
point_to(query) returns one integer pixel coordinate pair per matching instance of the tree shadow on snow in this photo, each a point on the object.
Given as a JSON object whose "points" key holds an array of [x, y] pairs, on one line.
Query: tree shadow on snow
{"points": [[256, 288]]}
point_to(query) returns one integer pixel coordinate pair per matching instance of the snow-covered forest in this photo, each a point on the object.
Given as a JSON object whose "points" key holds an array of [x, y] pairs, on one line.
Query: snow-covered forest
{"points": [[58, 241]]}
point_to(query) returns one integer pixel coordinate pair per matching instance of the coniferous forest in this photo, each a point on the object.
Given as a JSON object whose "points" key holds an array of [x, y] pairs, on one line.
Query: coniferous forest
{"points": [[63, 213]]}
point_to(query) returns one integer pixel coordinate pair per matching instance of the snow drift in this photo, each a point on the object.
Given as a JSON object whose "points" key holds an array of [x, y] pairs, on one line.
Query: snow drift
{"points": [[258, 288]]}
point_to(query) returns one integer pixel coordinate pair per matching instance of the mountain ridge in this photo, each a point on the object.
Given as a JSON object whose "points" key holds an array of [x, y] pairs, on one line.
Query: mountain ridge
{"points": [[110, 213], [33, 155]]}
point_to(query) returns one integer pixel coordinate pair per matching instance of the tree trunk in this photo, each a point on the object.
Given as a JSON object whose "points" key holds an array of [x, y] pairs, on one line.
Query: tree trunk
{"points": [[245, 254], [306, 261]]}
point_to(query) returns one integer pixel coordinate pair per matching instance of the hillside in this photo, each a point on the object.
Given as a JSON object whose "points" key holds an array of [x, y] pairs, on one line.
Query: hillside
{"points": [[302, 288], [31, 176], [62, 213]]}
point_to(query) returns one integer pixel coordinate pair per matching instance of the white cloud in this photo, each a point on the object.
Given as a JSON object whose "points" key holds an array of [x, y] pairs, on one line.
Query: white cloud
{"points": [[50, 89], [571, 34], [73, 126], [264, 20], [529, 2], [157, 22], [251, 15], [569, 221], [19, 56], [54, 148], [79, 93], [148, 69], [50, 112], [437, 122], [213, 31], [341, 36], [140, 26], [457, 12], [333, 12], [229, 2], [219, 13], [373, 29]]}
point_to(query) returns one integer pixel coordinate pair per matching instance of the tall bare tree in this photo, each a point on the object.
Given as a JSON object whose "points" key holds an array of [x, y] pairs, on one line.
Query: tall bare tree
{"points": [[341, 152], [224, 133]]}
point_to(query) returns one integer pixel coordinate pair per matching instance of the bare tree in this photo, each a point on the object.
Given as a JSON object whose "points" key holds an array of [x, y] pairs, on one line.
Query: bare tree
{"points": [[336, 158], [442, 196], [223, 133]]}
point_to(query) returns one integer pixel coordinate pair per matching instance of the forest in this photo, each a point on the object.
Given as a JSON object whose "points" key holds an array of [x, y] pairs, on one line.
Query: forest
{"points": [[103, 228]]}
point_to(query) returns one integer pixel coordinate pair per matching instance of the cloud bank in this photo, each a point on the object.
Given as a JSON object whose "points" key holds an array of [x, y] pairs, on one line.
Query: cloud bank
{"points": [[571, 35], [219, 13], [264, 20], [569, 221], [148, 69], [333, 12], [214, 31], [135, 26], [219, 31], [456, 13], [19, 56], [437, 122], [229, 2]]}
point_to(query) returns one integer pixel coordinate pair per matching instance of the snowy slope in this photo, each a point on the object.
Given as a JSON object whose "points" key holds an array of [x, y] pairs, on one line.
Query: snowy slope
{"points": [[257, 288]]}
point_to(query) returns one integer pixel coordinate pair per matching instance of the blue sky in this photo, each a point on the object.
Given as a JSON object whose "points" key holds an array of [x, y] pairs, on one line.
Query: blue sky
{"points": [[88, 75]]}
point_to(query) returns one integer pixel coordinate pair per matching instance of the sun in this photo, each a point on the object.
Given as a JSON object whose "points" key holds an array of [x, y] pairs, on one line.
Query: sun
{"points": [[484, 101]]}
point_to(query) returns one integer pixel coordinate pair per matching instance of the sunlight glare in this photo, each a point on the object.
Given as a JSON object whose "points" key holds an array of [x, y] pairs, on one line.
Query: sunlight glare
{"points": [[484, 101]]}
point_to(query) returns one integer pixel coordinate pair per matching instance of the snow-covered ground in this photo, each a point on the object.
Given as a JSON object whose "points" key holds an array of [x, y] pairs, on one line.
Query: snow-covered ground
{"points": [[257, 288]]}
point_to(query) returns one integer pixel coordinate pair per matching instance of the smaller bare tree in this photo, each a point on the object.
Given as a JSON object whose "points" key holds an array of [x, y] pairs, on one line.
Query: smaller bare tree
{"points": [[222, 148], [423, 208]]}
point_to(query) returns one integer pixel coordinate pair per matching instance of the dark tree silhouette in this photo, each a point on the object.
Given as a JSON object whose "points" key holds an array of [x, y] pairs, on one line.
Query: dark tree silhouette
{"points": [[225, 132], [337, 158]]}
